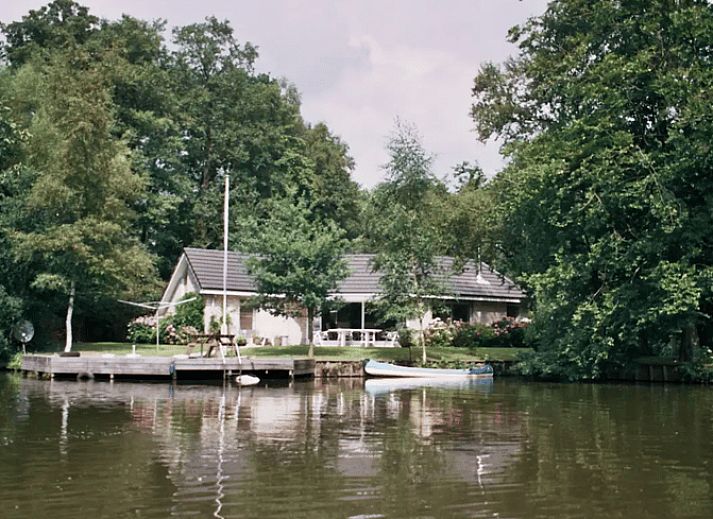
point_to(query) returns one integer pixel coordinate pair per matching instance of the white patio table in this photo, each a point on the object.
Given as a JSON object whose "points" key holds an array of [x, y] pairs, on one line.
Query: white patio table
{"points": [[368, 335]]}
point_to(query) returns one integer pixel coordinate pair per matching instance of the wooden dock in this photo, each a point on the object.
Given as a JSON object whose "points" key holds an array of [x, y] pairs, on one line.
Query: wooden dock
{"points": [[138, 367]]}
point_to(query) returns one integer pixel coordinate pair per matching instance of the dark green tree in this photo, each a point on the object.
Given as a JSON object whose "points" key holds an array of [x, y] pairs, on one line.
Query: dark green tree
{"points": [[56, 26], [298, 260], [335, 194], [606, 118], [11, 306], [73, 222], [189, 115], [471, 225]]}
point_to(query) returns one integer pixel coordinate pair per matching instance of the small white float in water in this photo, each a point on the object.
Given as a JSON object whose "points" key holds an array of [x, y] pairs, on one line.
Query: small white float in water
{"points": [[247, 380]]}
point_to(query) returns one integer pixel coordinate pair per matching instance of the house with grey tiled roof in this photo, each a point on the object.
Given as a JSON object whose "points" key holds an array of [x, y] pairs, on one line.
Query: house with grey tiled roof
{"points": [[475, 294]]}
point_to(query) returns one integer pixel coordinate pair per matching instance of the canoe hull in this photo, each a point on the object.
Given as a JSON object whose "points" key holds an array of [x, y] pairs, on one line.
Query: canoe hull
{"points": [[384, 369]]}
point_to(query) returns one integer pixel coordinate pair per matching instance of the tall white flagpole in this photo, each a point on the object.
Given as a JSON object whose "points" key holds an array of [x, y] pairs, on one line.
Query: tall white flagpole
{"points": [[225, 258], [224, 328]]}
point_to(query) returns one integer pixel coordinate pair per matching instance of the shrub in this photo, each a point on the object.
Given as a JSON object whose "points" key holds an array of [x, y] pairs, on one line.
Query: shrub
{"points": [[406, 338], [473, 336], [169, 332], [508, 333], [440, 334], [216, 323], [189, 314], [185, 334], [15, 362], [142, 330], [10, 313]]}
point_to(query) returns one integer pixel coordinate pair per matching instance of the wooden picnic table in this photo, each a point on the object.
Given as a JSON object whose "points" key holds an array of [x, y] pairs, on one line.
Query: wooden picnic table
{"points": [[213, 341]]}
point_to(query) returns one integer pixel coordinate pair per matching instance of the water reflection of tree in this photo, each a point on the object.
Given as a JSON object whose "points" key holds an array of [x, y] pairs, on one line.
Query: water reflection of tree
{"points": [[101, 455], [612, 451], [334, 450]]}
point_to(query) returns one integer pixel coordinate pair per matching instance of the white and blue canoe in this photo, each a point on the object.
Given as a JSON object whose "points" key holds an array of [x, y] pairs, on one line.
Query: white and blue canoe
{"points": [[384, 369]]}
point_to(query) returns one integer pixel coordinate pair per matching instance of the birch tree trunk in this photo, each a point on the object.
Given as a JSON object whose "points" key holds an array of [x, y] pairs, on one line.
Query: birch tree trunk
{"points": [[422, 335], [310, 332], [68, 322]]}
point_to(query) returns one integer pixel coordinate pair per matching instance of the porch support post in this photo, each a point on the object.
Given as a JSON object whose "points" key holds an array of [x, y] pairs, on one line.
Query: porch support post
{"points": [[363, 323]]}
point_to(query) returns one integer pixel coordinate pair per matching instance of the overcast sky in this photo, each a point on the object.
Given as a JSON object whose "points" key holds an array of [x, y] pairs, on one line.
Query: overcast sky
{"points": [[359, 64]]}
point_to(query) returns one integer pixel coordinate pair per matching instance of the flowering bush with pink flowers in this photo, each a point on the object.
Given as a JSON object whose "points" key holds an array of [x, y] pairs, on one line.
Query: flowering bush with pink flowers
{"points": [[506, 333]]}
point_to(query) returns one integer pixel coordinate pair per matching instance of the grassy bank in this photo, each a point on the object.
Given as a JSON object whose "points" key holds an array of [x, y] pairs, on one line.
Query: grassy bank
{"points": [[321, 352]]}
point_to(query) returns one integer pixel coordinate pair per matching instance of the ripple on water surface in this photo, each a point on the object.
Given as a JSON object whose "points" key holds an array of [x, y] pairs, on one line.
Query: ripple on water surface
{"points": [[507, 449]]}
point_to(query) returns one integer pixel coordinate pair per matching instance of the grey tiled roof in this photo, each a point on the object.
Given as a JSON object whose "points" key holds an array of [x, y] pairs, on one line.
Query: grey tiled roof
{"points": [[207, 266]]}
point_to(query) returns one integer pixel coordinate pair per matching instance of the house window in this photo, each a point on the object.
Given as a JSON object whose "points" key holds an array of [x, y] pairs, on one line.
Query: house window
{"points": [[513, 310], [455, 311], [246, 319]]}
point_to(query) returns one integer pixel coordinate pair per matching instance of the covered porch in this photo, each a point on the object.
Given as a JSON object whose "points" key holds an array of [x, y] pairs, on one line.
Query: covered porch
{"points": [[355, 324]]}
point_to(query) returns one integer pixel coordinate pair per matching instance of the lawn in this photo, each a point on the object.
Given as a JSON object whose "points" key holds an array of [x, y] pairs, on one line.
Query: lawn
{"points": [[335, 353], [122, 348]]}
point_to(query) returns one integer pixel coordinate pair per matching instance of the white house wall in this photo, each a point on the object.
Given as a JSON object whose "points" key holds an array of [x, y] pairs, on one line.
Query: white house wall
{"points": [[185, 286], [271, 326], [214, 311], [415, 324], [181, 283], [486, 312]]}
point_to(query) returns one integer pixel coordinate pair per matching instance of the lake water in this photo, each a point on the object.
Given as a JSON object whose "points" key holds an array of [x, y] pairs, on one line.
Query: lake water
{"points": [[506, 449]]}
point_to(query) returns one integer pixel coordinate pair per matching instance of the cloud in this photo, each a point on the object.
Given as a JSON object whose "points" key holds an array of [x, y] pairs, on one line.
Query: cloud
{"points": [[427, 87]]}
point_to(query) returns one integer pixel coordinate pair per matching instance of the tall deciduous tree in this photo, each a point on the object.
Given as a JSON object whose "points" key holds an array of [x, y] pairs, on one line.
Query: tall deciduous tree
{"points": [[56, 26], [335, 194], [406, 231], [606, 115], [471, 223], [299, 260], [11, 138], [76, 217], [188, 113]]}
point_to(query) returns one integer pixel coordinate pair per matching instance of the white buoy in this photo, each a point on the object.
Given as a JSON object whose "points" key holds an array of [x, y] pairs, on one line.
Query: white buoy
{"points": [[246, 380]]}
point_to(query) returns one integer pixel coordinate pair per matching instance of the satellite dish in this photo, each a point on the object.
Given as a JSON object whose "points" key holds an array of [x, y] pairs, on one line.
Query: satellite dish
{"points": [[24, 332]]}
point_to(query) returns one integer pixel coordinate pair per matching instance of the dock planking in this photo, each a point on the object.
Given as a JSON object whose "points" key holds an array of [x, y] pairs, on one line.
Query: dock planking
{"points": [[159, 367]]}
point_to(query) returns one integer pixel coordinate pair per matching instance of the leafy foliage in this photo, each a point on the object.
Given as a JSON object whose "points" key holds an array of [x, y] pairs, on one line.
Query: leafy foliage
{"points": [[605, 116], [191, 313], [72, 223], [407, 236], [128, 138], [299, 260], [506, 333]]}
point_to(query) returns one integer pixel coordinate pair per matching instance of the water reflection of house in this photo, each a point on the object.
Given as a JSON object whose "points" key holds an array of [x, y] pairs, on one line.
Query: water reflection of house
{"points": [[205, 431], [477, 294]]}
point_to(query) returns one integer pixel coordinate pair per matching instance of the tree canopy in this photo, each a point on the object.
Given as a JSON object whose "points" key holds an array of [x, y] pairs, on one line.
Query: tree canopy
{"points": [[137, 150], [299, 260], [406, 231], [604, 114]]}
